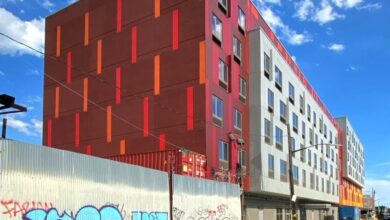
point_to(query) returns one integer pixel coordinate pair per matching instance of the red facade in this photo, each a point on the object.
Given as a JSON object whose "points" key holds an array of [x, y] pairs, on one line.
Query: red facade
{"points": [[126, 77]]}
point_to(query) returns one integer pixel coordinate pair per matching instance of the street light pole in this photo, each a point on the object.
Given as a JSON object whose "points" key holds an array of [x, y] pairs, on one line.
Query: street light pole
{"points": [[291, 177]]}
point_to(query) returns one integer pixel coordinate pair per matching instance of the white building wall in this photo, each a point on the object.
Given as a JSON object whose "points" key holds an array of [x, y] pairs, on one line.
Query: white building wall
{"points": [[353, 151], [275, 185]]}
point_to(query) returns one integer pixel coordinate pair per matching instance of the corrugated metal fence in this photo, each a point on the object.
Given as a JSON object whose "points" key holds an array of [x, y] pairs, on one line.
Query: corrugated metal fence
{"points": [[39, 183]]}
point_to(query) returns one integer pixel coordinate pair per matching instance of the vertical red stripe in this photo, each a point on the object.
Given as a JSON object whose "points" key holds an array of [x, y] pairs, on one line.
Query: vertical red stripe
{"points": [[146, 116], [88, 150], [118, 86], [118, 16], [77, 130], [49, 133], [190, 108], [134, 44], [175, 30], [69, 67], [162, 142]]}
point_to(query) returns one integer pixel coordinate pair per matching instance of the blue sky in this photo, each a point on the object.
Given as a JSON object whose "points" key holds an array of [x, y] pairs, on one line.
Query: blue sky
{"points": [[342, 46]]}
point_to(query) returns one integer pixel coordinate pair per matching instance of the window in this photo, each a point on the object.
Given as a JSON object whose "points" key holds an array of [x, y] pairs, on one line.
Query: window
{"points": [[295, 122], [270, 100], [223, 151], [304, 178], [242, 92], [283, 111], [311, 135], [241, 20], [295, 174], [317, 183], [217, 29], [314, 118], [279, 214], [315, 161], [308, 112], [321, 165], [302, 104], [237, 49], [278, 78], [326, 167], [288, 214], [303, 154], [321, 124], [223, 4], [271, 166], [291, 93], [279, 138], [331, 170], [309, 157], [267, 65], [223, 74], [312, 181], [267, 131], [217, 110], [303, 130], [292, 143], [283, 170], [237, 120], [325, 131]]}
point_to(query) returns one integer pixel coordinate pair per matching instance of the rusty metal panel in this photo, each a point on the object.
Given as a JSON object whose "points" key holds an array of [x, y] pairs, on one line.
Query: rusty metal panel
{"points": [[195, 198], [39, 183]]}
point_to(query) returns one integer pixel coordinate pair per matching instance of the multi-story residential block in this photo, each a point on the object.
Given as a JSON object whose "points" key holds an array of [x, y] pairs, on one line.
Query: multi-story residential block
{"points": [[352, 167], [280, 95], [210, 76]]}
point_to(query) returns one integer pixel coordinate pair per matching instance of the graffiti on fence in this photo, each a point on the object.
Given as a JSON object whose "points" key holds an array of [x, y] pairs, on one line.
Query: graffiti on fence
{"points": [[221, 212], [13, 208]]}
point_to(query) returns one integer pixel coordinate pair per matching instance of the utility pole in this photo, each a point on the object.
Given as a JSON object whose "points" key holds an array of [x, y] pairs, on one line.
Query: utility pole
{"points": [[291, 178]]}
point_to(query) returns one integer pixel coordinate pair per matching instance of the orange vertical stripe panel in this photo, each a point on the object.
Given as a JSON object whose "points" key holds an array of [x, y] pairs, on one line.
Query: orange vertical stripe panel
{"points": [[99, 56], [157, 8], [202, 62], [175, 29], [58, 43], [57, 103], [157, 75], [86, 29], [118, 86], [85, 97], [109, 125], [122, 147], [88, 150]]}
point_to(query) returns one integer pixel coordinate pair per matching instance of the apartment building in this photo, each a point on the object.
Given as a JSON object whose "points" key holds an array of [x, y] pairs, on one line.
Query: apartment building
{"points": [[281, 96], [352, 167], [209, 76]]}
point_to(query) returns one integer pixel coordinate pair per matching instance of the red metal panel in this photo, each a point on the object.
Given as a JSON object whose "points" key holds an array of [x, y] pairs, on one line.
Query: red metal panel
{"points": [[190, 108], [118, 16], [77, 130], [146, 116], [118, 86], [134, 44], [162, 142], [175, 29], [49, 132], [69, 67], [88, 150]]}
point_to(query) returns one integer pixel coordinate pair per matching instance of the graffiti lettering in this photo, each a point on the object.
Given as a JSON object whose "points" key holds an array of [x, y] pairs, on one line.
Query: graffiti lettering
{"points": [[12, 208], [149, 216], [202, 213], [177, 213]]}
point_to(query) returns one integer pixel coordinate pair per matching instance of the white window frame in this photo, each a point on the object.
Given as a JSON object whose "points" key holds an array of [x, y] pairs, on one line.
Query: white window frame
{"points": [[223, 72], [237, 48], [215, 101], [237, 120], [224, 148], [215, 22], [241, 19], [278, 77], [242, 91]]}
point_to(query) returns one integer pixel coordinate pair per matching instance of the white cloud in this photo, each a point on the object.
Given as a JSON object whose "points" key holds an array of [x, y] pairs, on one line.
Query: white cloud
{"points": [[276, 2], [336, 47], [304, 9], [294, 58], [34, 99], [351, 68], [381, 187], [326, 13], [2, 73], [30, 32], [72, 1], [382, 164], [30, 128], [276, 23], [47, 4], [347, 3], [370, 7]]}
